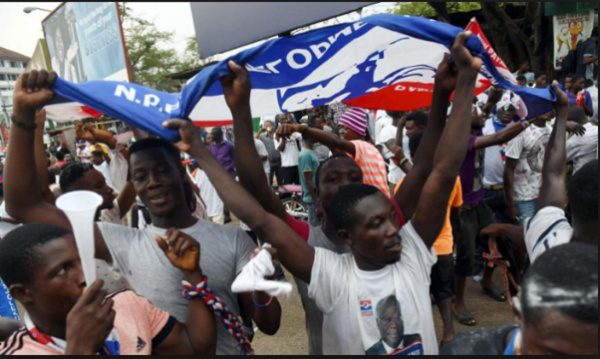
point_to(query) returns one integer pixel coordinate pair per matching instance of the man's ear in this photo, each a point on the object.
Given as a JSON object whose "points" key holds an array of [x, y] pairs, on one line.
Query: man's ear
{"points": [[21, 293], [345, 237]]}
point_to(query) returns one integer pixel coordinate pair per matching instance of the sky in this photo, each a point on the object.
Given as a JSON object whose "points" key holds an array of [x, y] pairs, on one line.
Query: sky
{"points": [[20, 31]]}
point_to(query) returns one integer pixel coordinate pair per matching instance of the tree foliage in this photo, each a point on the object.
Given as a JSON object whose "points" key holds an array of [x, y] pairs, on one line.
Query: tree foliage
{"points": [[425, 9], [150, 57]]}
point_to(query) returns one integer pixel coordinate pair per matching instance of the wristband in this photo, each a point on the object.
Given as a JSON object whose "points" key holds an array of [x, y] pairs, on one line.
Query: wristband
{"points": [[261, 306], [525, 124], [23, 125], [402, 161]]}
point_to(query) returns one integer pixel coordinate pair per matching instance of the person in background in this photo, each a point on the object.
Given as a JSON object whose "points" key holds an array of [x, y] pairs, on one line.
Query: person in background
{"points": [[289, 146], [265, 134], [540, 80], [521, 80], [335, 111], [581, 149], [593, 91], [323, 152], [525, 70], [549, 226], [101, 161], [352, 127], [587, 57], [224, 152], [523, 169], [307, 167], [389, 133], [564, 322], [579, 96]]}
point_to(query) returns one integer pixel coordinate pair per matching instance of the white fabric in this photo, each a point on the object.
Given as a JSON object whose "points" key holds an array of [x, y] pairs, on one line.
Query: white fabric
{"points": [[582, 149], [252, 277], [494, 159], [529, 148], [546, 229], [118, 169], [290, 153], [104, 168], [214, 205], [387, 133], [113, 215], [262, 152], [337, 288], [5, 227], [382, 120], [200, 212], [593, 91]]}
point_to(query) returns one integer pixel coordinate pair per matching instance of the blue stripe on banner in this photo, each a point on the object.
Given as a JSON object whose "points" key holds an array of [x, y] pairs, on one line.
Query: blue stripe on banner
{"points": [[297, 72], [8, 307]]}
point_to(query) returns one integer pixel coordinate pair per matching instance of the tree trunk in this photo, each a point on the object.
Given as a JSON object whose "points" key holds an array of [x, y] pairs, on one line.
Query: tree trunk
{"points": [[442, 11], [511, 43]]}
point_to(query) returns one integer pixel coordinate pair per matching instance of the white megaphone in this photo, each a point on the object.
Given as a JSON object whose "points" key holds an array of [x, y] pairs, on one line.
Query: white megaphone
{"points": [[80, 207]]}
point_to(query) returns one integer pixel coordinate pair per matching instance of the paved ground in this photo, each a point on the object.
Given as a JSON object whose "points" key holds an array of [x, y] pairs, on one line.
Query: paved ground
{"points": [[291, 338]]}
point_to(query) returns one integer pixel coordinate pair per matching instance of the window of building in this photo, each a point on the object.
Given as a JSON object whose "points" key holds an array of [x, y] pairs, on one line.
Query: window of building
{"points": [[14, 64], [24, 63], [2, 77], [1, 63]]}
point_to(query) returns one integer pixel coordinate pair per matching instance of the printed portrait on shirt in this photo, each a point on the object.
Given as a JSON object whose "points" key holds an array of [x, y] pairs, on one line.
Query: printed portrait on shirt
{"points": [[393, 339]]}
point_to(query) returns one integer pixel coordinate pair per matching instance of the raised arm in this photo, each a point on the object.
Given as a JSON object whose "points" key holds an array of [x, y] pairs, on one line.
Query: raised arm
{"points": [[432, 206], [554, 172], [24, 205], [236, 88], [199, 334], [500, 137], [41, 161], [409, 193], [295, 254], [325, 138]]}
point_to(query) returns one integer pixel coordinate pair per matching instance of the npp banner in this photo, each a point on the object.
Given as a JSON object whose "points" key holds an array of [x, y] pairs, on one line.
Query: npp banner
{"points": [[380, 62]]}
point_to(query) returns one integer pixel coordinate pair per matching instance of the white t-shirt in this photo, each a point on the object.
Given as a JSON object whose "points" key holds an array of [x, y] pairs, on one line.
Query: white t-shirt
{"points": [[529, 148], [104, 168], [113, 215], [382, 121], [494, 159], [290, 153], [582, 149], [546, 229], [348, 298], [262, 152], [214, 205], [387, 133], [5, 227], [593, 91]]}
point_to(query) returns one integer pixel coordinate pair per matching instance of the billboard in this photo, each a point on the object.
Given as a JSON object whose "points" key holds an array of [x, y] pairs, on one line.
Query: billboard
{"points": [[85, 42], [235, 24], [569, 30]]}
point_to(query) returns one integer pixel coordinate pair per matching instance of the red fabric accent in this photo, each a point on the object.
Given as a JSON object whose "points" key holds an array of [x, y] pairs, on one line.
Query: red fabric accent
{"points": [[399, 214], [90, 111], [213, 123], [300, 227], [404, 96]]}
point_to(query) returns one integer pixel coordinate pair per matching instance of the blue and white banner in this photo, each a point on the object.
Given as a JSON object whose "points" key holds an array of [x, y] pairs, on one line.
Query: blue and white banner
{"points": [[380, 62]]}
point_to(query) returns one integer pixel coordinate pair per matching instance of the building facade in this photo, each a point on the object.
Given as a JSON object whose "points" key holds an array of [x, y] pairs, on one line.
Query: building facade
{"points": [[12, 64]]}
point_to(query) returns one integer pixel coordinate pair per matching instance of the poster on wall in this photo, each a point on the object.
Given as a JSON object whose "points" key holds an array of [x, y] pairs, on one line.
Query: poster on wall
{"points": [[569, 30], [85, 42]]}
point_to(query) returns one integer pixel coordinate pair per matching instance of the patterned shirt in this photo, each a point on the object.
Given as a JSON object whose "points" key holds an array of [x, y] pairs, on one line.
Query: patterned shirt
{"points": [[371, 163]]}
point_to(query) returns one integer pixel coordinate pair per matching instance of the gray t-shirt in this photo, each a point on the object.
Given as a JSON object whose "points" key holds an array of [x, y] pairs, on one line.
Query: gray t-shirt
{"points": [[314, 317], [224, 251]]}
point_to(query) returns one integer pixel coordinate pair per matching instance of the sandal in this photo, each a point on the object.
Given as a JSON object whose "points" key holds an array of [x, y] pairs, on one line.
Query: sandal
{"points": [[465, 318], [495, 293]]}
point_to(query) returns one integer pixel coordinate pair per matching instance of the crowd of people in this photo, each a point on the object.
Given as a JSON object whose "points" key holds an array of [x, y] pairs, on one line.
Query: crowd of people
{"points": [[403, 208]]}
